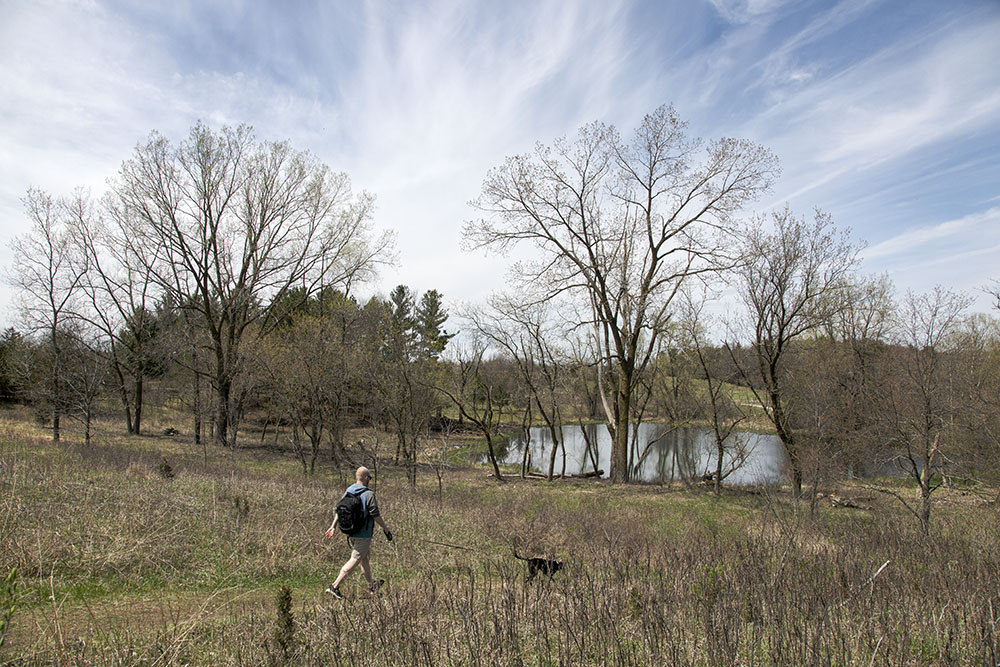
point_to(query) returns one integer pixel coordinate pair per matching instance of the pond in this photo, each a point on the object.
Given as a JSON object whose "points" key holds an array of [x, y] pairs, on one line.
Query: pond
{"points": [[671, 453]]}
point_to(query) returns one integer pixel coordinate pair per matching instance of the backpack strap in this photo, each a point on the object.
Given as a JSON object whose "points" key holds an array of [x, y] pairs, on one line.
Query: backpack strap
{"points": [[359, 495], [364, 504]]}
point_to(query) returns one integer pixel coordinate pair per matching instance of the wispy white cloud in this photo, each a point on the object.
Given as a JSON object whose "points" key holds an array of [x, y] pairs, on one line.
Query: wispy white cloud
{"points": [[960, 254], [911, 95], [416, 101], [443, 94], [784, 68], [744, 11], [972, 228], [430, 85], [878, 111]]}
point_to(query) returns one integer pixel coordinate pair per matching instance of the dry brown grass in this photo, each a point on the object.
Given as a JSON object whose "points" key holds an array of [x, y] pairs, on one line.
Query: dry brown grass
{"points": [[119, 565]]}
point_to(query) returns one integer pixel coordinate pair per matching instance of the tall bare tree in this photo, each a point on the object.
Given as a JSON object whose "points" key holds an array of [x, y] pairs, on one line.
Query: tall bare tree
{"points": [[719, 403], [621, 224], [47, 273], [527, 334], [789, 279], [122, 293], [237, 224], [919, 403], [854, 353], [482, 389]]}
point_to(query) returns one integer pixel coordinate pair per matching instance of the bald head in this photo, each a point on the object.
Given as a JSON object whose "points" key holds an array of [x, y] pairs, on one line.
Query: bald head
{"points": [[362, 475]]}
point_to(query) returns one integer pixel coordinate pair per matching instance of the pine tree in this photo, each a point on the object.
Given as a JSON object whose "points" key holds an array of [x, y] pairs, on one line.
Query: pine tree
{"points": [[402, 325], [430, 316]]}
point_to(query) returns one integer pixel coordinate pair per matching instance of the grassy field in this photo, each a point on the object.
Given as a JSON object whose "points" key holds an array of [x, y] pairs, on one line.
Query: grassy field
{"points": [[118, 562]]}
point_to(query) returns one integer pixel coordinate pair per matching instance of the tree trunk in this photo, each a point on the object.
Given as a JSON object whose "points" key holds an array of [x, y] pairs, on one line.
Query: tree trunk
{"points": [[197, 409], [925, 510], [493, 456], [788, 441], [926, 474], [56, 389], [720, 451], [56, 410], [337, 437], [222, 412], [526, 428], [619, 444], [412, 463], [562, 446], [591, 446], [525, 455], [619, 454], [315, 441], [126, 404], [555, 450], [138, 404], [579, 475]]}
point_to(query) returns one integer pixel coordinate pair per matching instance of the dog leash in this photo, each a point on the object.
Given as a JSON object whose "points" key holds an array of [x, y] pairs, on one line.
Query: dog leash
{"points": [[445, 544]]}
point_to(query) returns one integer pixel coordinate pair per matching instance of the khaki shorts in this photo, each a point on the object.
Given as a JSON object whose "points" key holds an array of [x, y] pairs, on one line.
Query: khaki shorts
{"points": [[360, 546]]}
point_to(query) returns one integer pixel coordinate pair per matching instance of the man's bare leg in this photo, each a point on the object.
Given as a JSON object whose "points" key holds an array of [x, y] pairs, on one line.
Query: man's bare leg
{"points": [[347, 569]]}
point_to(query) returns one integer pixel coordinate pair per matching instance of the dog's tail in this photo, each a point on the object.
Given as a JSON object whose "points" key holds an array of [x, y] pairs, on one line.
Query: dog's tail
{"points": [[519, 557]]}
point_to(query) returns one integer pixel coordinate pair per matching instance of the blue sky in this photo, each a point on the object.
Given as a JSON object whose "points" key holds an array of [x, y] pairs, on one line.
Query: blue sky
{"points": [[884, 114]]}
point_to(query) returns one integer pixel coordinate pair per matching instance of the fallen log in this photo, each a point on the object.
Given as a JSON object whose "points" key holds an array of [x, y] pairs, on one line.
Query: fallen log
{"points": [[579, 475], [837, 501]]}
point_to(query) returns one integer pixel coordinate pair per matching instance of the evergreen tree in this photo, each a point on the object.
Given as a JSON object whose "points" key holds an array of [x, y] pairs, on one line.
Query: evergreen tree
{"points": [[11, 344], [430, 316], [402, 325]]}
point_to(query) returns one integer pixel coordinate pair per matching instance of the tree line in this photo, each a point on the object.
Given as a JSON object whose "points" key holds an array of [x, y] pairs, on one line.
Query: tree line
{"points": [[226, 269]]}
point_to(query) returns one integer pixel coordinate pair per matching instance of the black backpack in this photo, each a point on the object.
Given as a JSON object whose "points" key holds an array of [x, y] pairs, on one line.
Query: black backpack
{"points": [[351, 513]]}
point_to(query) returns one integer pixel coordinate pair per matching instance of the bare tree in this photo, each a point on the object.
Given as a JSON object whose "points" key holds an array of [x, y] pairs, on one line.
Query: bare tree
{"points": [[789, 280], [237, 224], [585, 388], [621, 224], [526, 333], [304, 367], [720, 405], [994, 291], [47, 273], [918, 402], [851, 358], [84, 377], [122, 293], [480, 388]]}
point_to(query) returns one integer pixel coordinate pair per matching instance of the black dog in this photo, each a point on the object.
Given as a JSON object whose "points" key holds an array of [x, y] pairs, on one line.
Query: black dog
{"points": [[543, 565]]}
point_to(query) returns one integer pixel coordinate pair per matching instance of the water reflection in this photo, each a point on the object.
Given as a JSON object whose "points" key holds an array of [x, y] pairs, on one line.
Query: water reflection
{"points": [[670, 453]]}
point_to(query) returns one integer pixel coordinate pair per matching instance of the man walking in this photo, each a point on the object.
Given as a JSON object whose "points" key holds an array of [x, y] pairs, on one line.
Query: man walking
{"points": [[360, 539]]}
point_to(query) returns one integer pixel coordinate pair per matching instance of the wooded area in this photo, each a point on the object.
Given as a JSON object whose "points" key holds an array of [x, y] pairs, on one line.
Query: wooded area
{"points": [[220, 276]]}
